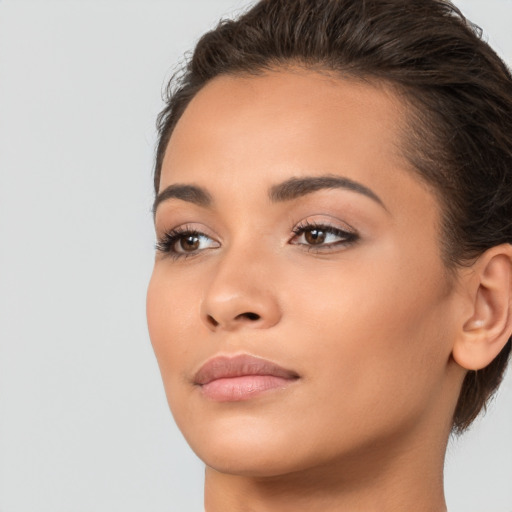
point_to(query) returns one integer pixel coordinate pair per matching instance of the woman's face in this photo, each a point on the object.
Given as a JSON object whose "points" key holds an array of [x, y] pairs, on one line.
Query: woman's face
{"points": [[292, 230]]}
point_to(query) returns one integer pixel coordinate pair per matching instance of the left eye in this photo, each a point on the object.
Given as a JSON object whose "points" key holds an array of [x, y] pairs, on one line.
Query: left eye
{"points": [[322, 236]]}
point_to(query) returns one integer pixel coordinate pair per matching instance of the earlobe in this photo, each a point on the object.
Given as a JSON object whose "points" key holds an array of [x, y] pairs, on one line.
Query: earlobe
{"points": [[484, 333]]}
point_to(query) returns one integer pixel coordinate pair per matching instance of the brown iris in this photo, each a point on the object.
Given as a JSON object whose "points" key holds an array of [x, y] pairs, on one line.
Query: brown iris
{"points": [[189, 243], [315, 236]]}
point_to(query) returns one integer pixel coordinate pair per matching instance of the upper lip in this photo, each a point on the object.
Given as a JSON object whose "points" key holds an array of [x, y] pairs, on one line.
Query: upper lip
{"points": [[224, 367]]}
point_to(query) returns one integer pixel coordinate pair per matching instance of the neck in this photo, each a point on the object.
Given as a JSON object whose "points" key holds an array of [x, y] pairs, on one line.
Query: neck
{"points": [[386, 478]]}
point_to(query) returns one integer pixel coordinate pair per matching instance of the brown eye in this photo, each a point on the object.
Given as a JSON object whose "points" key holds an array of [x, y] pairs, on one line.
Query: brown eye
{"points": [[188, 243], [315, 236], [184, 242], [323, 237]]}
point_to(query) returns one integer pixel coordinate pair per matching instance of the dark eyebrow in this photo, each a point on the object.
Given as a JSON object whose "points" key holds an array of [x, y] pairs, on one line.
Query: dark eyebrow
{"points": [[288, 190], [298, 187], [189, 193]]}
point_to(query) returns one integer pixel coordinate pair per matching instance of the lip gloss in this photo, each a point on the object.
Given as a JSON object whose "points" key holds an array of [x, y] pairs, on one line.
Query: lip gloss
{"points": [[242, 377]]}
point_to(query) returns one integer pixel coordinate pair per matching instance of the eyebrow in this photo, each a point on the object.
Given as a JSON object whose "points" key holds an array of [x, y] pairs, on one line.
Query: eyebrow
{"points": [[294, 188], [288, 190], [190, 193]]}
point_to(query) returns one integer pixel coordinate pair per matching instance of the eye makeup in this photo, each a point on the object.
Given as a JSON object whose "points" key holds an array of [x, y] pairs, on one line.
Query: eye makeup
{"points": [[322, 237], [185, 241]]}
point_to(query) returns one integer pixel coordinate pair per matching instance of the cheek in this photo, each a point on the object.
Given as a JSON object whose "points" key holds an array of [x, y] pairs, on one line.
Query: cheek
{"points": [[170, 315], [375, 336]]}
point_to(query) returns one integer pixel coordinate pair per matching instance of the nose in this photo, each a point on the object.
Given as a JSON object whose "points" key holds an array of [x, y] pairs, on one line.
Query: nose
{"points": [[240, 295]]}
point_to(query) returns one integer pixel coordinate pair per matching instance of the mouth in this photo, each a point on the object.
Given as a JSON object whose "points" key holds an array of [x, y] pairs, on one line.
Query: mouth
{"points": [[242, 377]]}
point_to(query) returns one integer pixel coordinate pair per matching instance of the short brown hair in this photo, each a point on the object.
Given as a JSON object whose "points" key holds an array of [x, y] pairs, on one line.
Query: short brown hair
{"points": [[458, 90]]}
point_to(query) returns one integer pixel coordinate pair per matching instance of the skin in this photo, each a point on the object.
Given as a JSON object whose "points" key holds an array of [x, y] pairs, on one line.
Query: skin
{"points": [[368, 326]]}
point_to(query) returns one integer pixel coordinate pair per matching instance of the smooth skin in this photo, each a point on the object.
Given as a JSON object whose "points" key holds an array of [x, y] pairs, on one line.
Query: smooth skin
{"points": [[379, 332]]}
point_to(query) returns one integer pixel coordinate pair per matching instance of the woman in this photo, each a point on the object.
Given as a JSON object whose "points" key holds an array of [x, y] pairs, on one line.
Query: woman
{"points": [[331, 295]]}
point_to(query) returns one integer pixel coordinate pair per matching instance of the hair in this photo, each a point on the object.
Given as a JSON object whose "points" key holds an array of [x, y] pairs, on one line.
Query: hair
{"points": [[458, 94]]}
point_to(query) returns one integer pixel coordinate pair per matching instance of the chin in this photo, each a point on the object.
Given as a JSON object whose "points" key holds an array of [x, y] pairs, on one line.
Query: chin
{"points": [[245, 449], [255, 462]]}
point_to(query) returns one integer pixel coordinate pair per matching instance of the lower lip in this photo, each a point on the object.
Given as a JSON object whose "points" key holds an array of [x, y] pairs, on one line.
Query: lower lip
{"points": [[235, 389]]}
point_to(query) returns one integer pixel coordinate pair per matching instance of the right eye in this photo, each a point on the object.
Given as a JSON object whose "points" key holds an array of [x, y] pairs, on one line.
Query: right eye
{"points": [[184, 242]]}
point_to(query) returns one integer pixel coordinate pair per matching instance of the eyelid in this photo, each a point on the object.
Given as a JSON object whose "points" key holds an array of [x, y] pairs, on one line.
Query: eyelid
{"points": [[328, 222], [185, 227]]}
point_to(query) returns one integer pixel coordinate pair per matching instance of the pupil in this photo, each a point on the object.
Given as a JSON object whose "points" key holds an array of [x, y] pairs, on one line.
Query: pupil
{"points": [[190, 243], [315, 236]]}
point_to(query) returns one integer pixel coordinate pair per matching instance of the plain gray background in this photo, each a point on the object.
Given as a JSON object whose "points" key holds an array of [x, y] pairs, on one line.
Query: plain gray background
{"points": [[84, 424]]}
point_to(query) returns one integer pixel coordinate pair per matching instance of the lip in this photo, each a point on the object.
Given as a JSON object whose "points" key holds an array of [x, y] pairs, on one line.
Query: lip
{"points": [[241, 377]]}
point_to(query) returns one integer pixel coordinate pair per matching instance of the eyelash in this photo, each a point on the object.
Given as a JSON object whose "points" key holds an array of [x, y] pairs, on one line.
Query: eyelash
{"points": [[348, 237], [171, 238], [168, 241]]}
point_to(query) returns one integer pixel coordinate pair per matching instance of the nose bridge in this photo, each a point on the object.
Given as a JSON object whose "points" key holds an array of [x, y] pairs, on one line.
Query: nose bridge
{"points": [[241, 292]]}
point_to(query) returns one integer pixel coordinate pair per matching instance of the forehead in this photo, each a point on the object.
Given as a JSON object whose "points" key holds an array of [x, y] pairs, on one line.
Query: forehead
{"points": [[253, 132], [286, 117]]}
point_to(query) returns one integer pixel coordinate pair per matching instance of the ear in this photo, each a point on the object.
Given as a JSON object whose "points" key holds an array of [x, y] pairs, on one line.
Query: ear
{"points": [[487, 324]]}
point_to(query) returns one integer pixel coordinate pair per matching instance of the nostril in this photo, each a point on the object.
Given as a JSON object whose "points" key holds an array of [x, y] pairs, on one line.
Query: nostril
{"points": [[249, 316], [212, 320]]}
